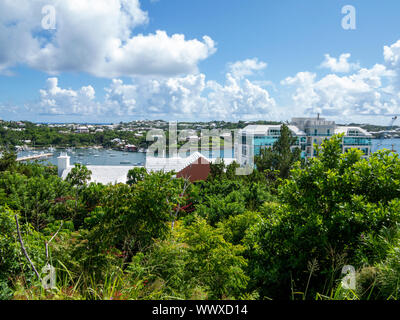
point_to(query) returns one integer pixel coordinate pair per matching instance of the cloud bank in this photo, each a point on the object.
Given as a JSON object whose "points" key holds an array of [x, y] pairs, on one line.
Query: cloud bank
{"points": [[156, 75], [96, 37], [173, 98]]}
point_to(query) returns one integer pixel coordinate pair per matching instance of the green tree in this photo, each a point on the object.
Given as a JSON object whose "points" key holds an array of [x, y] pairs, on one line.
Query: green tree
{"points": [[324, 210], [217, 170], [280, 157], [213, 262], [135, 175], [130, 218], [79, 176], [7, 159]]}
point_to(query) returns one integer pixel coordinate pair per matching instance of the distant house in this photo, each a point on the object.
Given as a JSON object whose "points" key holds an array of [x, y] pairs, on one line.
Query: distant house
{"points": [[131, 148], [82, 130], [192, 138]]}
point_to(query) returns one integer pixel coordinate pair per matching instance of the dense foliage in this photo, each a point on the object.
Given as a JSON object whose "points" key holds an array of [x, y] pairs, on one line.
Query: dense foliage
{"points": [[283, 232]]}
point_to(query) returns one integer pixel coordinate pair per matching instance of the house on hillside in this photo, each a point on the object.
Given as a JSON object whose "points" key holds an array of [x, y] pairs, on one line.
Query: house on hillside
{"points": [[100, 174], [82, 130], [196, 167], [131, 148]]}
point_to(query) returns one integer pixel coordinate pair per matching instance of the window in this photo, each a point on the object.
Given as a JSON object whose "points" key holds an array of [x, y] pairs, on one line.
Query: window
{"points": [[353, 133], [274, 132]]}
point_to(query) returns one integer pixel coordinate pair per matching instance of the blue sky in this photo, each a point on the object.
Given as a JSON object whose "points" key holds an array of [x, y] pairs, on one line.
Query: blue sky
{"points": [[279, 48]]}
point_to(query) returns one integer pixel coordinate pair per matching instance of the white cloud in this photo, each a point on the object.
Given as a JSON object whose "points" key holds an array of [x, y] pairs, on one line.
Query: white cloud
{"points": [[365, 93], [57, 101], [185, 97], [94, 36], [239, 99], [339, 65], [391, 55], [241, 69], [189, 97], [361, 93]]}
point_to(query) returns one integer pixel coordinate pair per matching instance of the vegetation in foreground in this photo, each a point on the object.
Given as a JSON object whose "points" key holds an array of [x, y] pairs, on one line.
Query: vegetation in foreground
{"points": [[284, 232]]}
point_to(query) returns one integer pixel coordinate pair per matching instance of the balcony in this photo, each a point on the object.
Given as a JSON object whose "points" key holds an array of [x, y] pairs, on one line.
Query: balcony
{"points": [[320, 134], [357, 142]]}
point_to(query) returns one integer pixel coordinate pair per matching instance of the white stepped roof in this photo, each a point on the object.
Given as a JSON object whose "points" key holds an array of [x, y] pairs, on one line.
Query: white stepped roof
{"points": [[176, 164], [105, 174]]}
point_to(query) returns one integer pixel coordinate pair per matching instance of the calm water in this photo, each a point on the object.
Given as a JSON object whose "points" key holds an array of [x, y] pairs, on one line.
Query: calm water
{"points": [[378, 144], [95, 157], [105, 157], [114, 158]]}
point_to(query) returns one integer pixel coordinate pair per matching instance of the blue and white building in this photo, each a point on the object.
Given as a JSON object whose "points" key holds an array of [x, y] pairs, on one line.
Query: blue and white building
{"points": [[309, 132]]}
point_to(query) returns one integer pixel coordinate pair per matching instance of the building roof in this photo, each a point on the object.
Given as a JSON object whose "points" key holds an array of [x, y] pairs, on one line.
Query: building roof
{"points": [[255, 129], [173, 163], [343, 129], [105, 174], [177, 164], [313, 122]]}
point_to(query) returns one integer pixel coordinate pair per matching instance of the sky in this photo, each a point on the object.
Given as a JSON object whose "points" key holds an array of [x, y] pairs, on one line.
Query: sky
{"points": [[187, 60]]}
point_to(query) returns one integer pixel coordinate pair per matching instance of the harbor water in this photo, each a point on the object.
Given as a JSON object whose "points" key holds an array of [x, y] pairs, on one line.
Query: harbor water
{"points": [[91, 156]]}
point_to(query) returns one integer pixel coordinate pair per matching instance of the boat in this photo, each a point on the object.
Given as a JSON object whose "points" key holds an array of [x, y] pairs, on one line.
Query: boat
{"points": [[96, 155], [125, 162]]}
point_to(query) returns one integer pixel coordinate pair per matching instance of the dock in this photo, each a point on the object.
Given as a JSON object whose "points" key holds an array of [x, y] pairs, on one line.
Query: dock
{"points": [[35, 157]]}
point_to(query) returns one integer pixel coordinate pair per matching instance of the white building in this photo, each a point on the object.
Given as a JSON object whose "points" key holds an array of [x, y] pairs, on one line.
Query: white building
{"points": [[309, 132], [82, 130], [100, 174]]}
